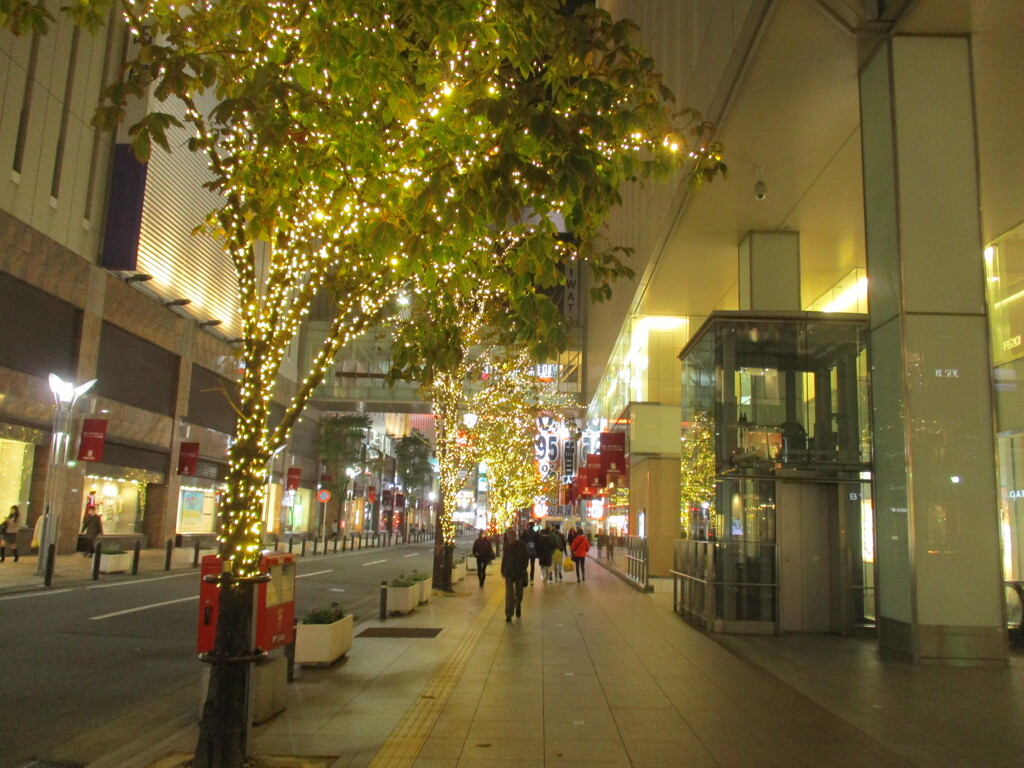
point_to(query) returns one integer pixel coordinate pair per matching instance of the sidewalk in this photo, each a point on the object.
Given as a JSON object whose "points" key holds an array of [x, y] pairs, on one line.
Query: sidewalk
{"points": [[597, 673], [76, 568]]}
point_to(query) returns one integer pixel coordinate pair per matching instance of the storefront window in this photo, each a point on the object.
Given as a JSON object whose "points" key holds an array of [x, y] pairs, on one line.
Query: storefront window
{"points": [[15, 474], [118, 501], [197, 509], [297, 506], [1004, 271]]}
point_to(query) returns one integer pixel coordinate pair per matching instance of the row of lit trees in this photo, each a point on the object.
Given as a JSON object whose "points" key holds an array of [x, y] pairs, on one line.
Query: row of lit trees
{"points": [[370, 147]]}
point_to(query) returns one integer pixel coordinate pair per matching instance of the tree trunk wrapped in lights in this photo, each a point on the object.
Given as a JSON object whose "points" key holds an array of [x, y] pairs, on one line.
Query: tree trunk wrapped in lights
{"points": [[697, 491]]}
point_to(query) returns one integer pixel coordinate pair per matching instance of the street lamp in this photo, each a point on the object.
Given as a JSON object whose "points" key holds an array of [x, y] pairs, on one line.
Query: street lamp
{"points": [[65, 395]]}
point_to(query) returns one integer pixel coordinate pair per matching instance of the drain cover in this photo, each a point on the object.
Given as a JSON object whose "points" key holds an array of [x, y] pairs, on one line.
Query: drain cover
{"points": [[400, 632]]}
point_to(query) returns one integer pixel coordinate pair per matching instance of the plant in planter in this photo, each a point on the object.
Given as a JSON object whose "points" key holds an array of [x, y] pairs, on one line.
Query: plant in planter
{"points": [[114, 559], [323, 635], [403, 595], [425, 581]]}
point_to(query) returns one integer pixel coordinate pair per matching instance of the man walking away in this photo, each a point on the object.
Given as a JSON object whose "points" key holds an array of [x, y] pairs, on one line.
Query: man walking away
{"points": [[513, 569], [545, 550], [529, 539], [484, 553]]}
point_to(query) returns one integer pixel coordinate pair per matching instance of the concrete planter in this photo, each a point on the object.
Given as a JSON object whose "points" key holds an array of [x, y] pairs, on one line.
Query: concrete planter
{"points": [[120, 563], [403, 599], [323, 643], [426, 587]]}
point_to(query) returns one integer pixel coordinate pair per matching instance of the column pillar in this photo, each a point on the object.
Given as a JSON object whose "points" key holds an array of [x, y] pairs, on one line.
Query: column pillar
{"points": [[940, 586]]}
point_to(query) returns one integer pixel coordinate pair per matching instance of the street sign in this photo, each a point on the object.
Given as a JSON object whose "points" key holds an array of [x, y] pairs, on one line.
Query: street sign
{"points": [[323, 495]]}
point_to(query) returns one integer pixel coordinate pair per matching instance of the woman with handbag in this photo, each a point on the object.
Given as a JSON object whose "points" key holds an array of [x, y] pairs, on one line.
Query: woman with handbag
{"points": [[579, 548]]}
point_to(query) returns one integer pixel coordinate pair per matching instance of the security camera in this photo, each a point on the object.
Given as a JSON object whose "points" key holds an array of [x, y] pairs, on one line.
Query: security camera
{"points": [[760, 190]]}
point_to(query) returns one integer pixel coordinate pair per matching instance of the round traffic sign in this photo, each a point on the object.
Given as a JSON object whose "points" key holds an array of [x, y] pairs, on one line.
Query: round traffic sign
{"points": [[323, 495]]}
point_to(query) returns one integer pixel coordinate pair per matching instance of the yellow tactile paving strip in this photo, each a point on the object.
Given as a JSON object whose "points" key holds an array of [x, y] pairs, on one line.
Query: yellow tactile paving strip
{"points": [[405, 742]]}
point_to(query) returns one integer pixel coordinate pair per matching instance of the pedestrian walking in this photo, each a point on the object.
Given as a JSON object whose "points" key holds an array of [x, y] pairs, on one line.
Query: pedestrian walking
{"points": [[529, 539], [601, 539], [484, 554], [9, 534], [579, 548], [513, 570], [92, 526], [545, 550], [559, 542]]}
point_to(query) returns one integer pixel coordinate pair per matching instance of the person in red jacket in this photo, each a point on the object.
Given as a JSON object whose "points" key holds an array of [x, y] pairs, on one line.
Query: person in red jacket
{"points": [[579, 548]]}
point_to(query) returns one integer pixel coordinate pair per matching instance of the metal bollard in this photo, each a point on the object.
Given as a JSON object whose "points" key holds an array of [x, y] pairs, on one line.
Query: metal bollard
{"points": [[195, 554], [303, 552], [291, 542], [383, 600], [316, 542], [289, 654], [135, 558], [96, 555], [360, 541], [51, 554], [336, 543], [167, 557]]}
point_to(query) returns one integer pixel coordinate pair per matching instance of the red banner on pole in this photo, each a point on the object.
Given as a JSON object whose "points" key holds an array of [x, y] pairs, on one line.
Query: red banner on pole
{"points": [[292, 481], [94, 440], [188, 458], [613, 453], [371, 493]]}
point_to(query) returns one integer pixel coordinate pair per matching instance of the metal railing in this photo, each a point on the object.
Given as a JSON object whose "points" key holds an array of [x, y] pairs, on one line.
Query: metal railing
{"points": [[638, 562], [731, 580]]}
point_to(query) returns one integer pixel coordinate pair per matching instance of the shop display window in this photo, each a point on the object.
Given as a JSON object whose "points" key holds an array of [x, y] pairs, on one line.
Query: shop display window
{"points": [[118, 501], [15, 474], [1004, 273], [197, 509]]}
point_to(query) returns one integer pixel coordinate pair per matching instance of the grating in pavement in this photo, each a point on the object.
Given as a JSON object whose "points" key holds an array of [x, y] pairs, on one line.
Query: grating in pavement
{"points": [[400, 632], [52, 764]]}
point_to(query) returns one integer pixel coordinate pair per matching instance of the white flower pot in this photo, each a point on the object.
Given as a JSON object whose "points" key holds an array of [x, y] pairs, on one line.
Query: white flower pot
{"points": [[323, 643], [458, 572], [426, 587], [403, 599], [121, 563]]}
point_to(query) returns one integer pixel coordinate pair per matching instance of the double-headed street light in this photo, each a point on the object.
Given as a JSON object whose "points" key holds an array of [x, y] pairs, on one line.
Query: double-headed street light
{"points": [[65, 395]]}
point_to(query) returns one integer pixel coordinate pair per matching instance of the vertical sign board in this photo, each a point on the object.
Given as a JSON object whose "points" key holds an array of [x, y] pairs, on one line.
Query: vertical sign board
{"points": [[294, 476], [613, 455], [188, 459], [94, 437]]}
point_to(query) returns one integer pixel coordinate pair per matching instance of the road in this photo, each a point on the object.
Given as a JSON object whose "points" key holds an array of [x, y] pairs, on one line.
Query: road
{"points": [[88, 668]]}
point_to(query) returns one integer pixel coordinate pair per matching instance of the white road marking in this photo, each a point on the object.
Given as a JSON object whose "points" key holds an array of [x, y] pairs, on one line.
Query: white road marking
{"points": [[34, 594], [374, 562], [144, 581], [414, 554], [315, 573], [143, 608]]}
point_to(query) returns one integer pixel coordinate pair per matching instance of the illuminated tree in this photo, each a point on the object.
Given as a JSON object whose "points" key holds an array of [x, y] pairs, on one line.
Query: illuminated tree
{"points": [[507, 406], [697, 487]]}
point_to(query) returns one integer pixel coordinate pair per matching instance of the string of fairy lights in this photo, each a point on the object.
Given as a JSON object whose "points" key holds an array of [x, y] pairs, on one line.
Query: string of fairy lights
{"points": [[366, 180]]}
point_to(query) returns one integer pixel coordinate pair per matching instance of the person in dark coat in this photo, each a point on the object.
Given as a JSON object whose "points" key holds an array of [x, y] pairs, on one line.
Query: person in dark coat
{"points": [[529, 539], [513, 569], [545, 550], [92, 526], [484, 553]]}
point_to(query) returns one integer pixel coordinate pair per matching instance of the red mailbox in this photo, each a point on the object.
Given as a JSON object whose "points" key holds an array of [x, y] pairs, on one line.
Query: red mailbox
{"points": [[275, 603]]}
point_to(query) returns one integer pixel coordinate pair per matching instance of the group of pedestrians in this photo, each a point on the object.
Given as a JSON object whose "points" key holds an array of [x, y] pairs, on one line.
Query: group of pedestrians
{"points": [[520, 555]]}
